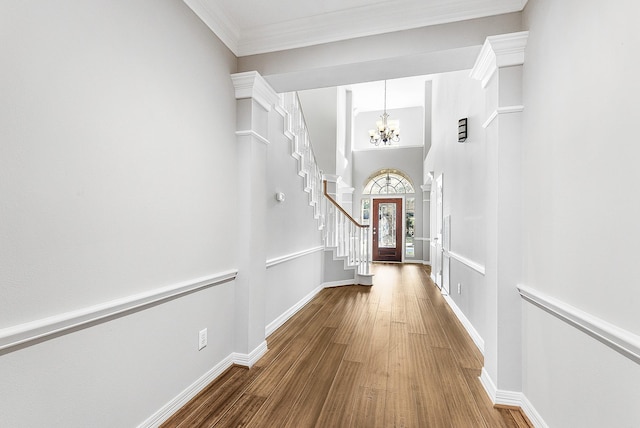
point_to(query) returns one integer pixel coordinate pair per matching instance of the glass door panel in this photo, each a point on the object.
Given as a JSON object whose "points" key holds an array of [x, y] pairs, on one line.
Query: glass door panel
{"points": [[387, 225], [387, 229]]}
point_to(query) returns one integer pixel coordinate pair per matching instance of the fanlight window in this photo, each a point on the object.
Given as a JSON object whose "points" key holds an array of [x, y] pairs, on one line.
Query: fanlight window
{"points": [[388, 182]]}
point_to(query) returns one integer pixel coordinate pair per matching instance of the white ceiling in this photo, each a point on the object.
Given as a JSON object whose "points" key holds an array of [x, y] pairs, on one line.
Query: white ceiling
{"points": [[401, 93], [250, 27]]}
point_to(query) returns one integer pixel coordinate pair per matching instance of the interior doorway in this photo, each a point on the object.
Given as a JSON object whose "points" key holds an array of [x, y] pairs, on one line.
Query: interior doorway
{"points": [[387, 230]]}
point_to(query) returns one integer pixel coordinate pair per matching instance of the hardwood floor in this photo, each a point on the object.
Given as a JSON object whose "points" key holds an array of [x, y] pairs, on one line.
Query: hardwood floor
{"points": [[391, 355]]}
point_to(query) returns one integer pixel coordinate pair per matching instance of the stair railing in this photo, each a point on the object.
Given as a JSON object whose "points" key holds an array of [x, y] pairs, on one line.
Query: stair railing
{"points": [[350, 238], [340, 231]]}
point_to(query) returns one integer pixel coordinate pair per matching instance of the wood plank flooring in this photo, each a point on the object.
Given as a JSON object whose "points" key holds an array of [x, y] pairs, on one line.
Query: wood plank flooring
{"points": [[391, 355]]}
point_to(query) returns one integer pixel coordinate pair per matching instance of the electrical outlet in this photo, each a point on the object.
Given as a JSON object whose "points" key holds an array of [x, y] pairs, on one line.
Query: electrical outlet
{"points": [[202, 339], [459, 288]]}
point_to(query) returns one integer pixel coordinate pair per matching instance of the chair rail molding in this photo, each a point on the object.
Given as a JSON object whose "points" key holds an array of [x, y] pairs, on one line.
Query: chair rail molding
{"points": [[619, 339], [30, 332], [282, 259], [467, 262]]}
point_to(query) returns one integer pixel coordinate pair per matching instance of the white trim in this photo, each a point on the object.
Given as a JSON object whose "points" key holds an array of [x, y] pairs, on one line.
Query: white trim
{"points": [[251, 84], [44, 328], [619, 339], [465, 261], [278, 322], [498, 396], [219, 22], [502, 110], [331, 178], [511, 398], [277, 260], [340, 283], [488, 385], [252, 134], [421, 239], [187, 394], [490, 119], [339, 24], [475, 336], [504, 50], [166, 411], [309, 30], [415, 261], [283, 113], [248, 360], [534, 417]]}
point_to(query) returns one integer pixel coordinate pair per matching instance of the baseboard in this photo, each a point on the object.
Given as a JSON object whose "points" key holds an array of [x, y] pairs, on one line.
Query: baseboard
{"points": [[475, 336], [248, 360], [512, 399], [534, 417], [340, 283], [275, 324], [185, 396]]}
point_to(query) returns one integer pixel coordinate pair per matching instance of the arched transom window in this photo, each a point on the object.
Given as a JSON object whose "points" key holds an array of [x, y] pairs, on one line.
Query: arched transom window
{"points": [[388, 181]]}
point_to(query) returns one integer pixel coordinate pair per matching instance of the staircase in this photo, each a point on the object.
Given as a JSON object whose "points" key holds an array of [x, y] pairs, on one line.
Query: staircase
{"points": [[348, 240]]}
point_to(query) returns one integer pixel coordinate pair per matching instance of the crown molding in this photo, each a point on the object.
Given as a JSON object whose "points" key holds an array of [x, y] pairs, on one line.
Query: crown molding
{"points": [[251, 84], [340, 25], [337, 26], [218, 21], [505, 50]]}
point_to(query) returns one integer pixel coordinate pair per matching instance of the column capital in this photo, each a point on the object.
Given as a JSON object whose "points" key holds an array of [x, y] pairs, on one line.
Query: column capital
{"points": [[504, 50], [251, 84]]}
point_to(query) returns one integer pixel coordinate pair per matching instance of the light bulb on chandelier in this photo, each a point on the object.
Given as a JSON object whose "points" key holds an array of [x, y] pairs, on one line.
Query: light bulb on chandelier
{"points": [[387, 131]]}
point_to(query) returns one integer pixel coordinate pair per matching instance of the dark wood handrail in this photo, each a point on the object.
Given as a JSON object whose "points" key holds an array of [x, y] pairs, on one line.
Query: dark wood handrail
{"points": [[333, 201]]}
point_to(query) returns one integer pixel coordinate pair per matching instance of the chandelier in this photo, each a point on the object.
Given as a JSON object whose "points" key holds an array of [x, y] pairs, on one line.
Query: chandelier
{"points": [[387, 131]]}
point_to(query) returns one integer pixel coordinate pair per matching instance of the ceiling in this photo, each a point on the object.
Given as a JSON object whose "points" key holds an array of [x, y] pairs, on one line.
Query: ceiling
{"points": [[401, 93], [250, 27]]}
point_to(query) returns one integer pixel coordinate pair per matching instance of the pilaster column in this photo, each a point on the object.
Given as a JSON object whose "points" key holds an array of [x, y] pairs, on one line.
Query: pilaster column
{"points": [[499, 68], [255, 99]]}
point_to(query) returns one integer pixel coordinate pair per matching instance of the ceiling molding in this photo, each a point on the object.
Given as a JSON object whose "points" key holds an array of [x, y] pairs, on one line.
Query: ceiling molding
{"points": [[343, 24], [505, 50], [220, 22]]}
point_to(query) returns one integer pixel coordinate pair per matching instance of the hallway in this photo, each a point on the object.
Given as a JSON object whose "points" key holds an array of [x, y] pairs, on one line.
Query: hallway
{"points": [[391, 355]]}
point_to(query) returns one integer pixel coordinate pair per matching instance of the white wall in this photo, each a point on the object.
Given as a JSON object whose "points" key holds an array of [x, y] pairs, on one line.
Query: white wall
{"points": [[118, 143], [344, 152], [456, 96], [580, 183], [292, 229], [320, 107]]}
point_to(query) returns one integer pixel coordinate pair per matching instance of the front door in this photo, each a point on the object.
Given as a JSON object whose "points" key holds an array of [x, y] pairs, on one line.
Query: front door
{"points": [[387, 230]]}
